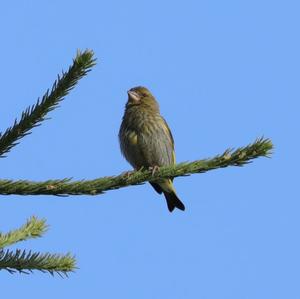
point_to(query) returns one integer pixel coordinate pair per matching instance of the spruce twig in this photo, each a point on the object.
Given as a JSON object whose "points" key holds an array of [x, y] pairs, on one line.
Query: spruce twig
{"points": [[260, 148], [33, 228], [27, 262], [23, 261], [34, 115]]}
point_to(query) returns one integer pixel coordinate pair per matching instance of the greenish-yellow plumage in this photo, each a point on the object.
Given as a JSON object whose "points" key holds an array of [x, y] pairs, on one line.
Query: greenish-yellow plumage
{"points": [[146, 140]]}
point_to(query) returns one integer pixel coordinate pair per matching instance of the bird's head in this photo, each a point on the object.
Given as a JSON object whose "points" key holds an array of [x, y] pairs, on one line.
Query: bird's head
{"points": [[141, 96]]}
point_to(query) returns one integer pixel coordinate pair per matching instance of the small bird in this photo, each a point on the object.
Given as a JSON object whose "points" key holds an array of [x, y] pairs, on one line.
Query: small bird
{"points": [[147, 142]]}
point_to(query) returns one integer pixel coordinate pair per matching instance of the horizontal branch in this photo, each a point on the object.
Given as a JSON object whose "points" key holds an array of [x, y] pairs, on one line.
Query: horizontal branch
{"points": [[27, 262], [241, 156], [33, 228], [34, 115]]}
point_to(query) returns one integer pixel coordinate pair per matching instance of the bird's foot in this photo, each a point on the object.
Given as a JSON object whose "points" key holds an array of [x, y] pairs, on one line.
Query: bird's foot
{"points": [[127, 174], [153, 169]]}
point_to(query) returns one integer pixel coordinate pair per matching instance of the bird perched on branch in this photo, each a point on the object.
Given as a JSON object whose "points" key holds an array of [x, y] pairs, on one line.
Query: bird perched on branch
{"points": [[147, 142]]}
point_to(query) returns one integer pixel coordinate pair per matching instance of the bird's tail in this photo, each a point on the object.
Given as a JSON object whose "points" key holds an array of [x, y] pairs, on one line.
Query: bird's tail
{"points": [[173, 201]]}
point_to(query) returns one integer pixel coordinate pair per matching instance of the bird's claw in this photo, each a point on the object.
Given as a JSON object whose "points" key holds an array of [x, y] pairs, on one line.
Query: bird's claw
{"points": [[127, 174], [153, 169]]}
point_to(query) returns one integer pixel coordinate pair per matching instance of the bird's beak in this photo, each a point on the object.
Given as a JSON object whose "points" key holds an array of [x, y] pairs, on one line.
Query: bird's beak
{"points": [[133, 96]]}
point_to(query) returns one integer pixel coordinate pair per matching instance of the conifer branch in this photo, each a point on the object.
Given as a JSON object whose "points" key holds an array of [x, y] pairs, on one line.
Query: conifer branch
{"points": [[33, 228], [27, 262], [241, 156], [34, 115]]}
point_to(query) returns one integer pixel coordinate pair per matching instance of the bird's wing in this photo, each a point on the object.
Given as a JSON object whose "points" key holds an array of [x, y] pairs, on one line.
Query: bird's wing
{"points": [[157, 145], [172, 140], [169, 131]]}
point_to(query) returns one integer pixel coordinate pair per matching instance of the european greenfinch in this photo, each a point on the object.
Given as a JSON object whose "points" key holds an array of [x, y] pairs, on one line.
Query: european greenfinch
{"points": [[147, 142]]}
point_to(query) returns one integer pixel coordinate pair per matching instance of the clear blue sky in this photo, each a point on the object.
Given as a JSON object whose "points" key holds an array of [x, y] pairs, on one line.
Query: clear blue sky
{"points": [[224, 73]]}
